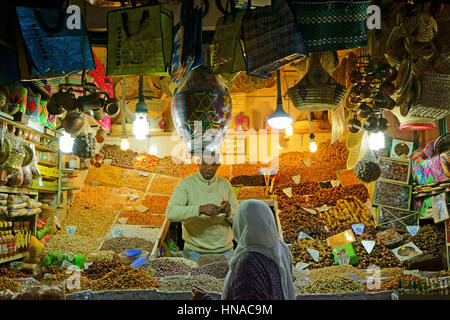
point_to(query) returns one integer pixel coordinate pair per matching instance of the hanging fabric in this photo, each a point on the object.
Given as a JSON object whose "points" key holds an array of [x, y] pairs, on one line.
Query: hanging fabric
{"points": [[332, 25], [52, 49], [271, 38], [140, 41], [101, 80], [226, 49]]}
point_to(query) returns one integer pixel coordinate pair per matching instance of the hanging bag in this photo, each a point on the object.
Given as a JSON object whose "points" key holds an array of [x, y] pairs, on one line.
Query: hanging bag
{"points": [[332, 25], [51, 48], [271, 38], [226, 49], [140, 41]]}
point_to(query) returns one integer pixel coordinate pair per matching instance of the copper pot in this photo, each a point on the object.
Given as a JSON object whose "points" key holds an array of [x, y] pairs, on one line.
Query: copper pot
{"points": [[364, 110], [73, 122], [354, 125]]}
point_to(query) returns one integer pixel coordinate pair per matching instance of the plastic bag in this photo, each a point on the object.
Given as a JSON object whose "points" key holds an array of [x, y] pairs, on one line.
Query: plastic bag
{"points": [[34, 167], [35, 249], [14, 198], [16, 212], [15, 179], [16, 206], [4, 196], [27, 177], [337, 122], [100, 255], [16, 155], [53, 290], [34, 204], [43, 231]]}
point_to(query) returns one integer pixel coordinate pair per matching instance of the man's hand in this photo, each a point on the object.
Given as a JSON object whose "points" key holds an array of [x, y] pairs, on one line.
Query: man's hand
{"points": [[209, 210], [197, 293], [225, 207]]}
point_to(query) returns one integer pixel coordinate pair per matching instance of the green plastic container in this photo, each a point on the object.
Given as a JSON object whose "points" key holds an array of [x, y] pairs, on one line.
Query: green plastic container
{"points": [[346, 250]]}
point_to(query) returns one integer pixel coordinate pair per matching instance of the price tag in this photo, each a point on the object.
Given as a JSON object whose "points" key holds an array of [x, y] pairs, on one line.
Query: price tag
{"points": [[301, 265], [296, 179], [307, 162], [142, 208], [335, 183], [323, 208], [302, 235], [343, 260], [288, 192], [412, 230], [144, 174], [314, 254], [368, 245], [71, 229], [87, 264], [117, 233], [325, 227], [358, 228], [310, 210]]}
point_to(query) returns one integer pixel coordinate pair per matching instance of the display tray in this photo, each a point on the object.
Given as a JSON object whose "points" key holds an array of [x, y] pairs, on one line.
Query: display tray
{"points": [[392, 194], [398, 219], [395, 170]]}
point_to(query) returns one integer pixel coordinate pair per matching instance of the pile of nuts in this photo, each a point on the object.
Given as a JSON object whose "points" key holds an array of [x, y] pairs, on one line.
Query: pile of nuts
{"points": [[256, 180], [118, 155], [135, 180], [156, 204], [163, 185], [252, 193], [342, 270], [126, 278], [429, 239], [394, 170], [217, 270], [93, 223], [142, 218], [166, 267], [8, 273], [146, 162], [335, 284], [90, 197], [72, 243], [98, 269], [246, 169], [185, 284], [108, 176], [120, 244], [8, 284], [167, 166]]}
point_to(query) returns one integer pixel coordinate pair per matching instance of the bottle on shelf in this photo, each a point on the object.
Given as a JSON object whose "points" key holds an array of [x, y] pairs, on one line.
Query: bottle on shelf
{"points": [[4, 241]]}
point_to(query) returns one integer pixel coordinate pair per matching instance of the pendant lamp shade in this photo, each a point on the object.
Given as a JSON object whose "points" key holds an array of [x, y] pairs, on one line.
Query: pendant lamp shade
{"points": [[279, 119]]}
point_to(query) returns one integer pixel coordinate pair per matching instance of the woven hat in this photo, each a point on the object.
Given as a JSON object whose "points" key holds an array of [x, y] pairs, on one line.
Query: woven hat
{"points": [[317, 90]]}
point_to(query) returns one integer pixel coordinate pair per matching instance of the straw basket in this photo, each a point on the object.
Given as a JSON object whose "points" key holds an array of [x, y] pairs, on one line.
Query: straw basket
{"points": [[411, 123], [433, 97], [317, 91]]}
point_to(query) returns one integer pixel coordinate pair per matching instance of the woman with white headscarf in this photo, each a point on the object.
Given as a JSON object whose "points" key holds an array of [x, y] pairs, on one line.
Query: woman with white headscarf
{"points": [[261, 265]]}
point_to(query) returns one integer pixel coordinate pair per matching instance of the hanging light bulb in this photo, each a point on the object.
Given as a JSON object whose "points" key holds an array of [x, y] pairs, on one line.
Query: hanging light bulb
{"points": [[376, 140], [289, 131], [140, 124], [124, 144], [66, 143], [279, 119], [312, 143]]}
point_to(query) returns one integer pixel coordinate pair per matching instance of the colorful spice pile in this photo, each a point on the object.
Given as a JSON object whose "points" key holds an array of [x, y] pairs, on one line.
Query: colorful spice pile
{"points": [[135, 180], [348, 178], [118, 155], [163, 185], [126, 278], [156, 204], [166, 267], [143, 219], [105, 175], [90, 197], [146, 162]]}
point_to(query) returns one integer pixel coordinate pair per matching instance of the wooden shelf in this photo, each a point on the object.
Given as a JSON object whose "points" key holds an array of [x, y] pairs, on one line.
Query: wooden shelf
{"points": [[25, 127], [47, 191], [69, 188], [47, 163], [18, 190], [40, 147], [49, 178], [14, 257]]}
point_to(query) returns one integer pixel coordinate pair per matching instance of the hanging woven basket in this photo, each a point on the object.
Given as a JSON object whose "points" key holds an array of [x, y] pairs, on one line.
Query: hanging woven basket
{"points": [[317, 90], [411, 123]]}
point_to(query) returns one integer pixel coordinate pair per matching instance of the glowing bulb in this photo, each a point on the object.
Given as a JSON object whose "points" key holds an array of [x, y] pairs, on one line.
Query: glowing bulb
{"points": [[289, 131], [124, 145], [312, 146], [280, 122], [140, 126], [376, 140], [66, 143]]}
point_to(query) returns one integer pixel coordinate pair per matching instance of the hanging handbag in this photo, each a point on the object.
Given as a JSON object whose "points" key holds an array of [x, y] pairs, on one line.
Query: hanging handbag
{"points": [[332, 25], [140, 41], [226, 49], [52, 49], [271, 38]]}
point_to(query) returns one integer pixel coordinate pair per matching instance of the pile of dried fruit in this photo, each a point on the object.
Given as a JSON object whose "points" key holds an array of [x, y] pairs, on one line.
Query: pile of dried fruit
{"points": [[297, 220], [252, 193], [126, 278], [143, 219], [217, 270], [183, 284], [156, 204], [300, 254], [120, 244], [8, 273], [108, 176], [118, 155], [8, 284], [224, 171], [163, 185], [348, 178], [336, 284], [90, 197], [146, 162], [347, 211], [167, 166], [135, 180], [166, 267], [246, 169], [256, 180], [429, 239], [99, 269]]}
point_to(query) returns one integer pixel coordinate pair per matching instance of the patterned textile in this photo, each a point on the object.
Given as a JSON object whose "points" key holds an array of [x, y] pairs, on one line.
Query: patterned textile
{"points": [[255, 277], [332, 25], [271, 38]]}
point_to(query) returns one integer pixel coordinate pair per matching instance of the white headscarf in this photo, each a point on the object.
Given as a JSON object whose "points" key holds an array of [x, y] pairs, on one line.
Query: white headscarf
{"points": [[255, 230]]}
